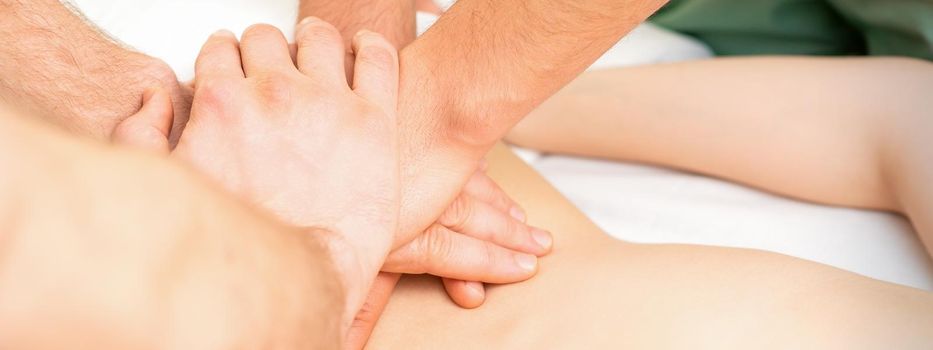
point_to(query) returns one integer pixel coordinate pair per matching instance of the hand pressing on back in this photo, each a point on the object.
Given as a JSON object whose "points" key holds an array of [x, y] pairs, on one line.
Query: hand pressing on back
{"points": [[296, 139]]}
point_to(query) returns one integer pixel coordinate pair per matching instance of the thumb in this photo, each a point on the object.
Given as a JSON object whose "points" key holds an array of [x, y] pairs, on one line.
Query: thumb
{"points": [[149, 128]]}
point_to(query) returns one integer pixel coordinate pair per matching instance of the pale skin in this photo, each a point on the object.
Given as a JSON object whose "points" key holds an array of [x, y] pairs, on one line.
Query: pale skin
{"points": [[897, 315], [65, 71], [86, 263], [853, 131], [454, 99], [180, 278], [686, 296], [682, 296]]}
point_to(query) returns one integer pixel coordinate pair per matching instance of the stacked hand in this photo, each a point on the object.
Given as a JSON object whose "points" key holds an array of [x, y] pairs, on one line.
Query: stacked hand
{"points": [[293, 136]]}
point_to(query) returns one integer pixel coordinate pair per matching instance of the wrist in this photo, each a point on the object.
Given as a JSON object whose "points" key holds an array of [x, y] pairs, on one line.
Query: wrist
{"points": [[394, 19], [445, 97]]}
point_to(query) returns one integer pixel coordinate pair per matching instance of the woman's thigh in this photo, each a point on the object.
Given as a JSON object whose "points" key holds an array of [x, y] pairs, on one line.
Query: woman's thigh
{"points": [[597, 292]]}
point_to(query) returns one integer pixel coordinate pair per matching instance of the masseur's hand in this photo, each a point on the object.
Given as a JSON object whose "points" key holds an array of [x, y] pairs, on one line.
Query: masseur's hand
{"points": [[480, 237], [459, 244], [298, 140], [71, 74]]}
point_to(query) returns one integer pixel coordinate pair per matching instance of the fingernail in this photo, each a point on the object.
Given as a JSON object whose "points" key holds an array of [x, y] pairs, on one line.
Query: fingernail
{"points": [[224, 32], [364, 32], [476, 287], [307, 20], [527, 262], [517, 213], [542, 237]]}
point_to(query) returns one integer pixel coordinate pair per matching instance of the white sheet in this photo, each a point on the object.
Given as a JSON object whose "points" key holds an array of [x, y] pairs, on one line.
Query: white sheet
{"points": [[632, 202]]}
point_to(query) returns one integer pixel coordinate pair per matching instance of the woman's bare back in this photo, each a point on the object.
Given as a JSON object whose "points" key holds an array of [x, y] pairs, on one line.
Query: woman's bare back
{"points": [[597, 292]]}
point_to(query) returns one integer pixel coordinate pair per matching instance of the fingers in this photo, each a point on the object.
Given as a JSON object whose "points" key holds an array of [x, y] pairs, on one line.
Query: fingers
{"points": [[320, 50], [467, 294], [478, 219], [264, 49], [375, 72], [219, 57], [483, 188], [445, 253], [149, 128], [366, 318]]}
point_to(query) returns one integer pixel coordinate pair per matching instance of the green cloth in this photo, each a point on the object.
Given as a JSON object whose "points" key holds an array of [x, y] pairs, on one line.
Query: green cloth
{"points": [[805, 27]]}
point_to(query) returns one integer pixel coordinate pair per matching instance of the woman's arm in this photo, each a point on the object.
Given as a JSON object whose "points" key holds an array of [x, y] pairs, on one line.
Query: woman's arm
{"points": [[841, 131]]}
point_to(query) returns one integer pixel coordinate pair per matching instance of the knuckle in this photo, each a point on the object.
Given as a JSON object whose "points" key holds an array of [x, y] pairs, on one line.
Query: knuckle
{"points": [[489, 256], [159, 71], [214, 94], [274, 89], [437, 246], [516, 231], [458, 214]]}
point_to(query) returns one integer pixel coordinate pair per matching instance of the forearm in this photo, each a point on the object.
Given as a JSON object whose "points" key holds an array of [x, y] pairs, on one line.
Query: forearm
{"points": [[64, 69], [112, 249], [811, 128], [906, 156], [394, 19], [493, 61], [481, 68]]}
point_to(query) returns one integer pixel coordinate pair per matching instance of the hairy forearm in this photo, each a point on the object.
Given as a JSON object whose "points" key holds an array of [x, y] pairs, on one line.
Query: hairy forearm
{"points": [[478, 71], [495, 60], [56, 64], [394, 19]]}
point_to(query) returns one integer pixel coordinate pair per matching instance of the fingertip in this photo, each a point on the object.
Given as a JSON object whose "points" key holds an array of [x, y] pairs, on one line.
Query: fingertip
{"points": [[544, 239], [376, 70], [466, 294], [476, 291], [527, 262], [370, 38], [224, 33], [150, 126], [308, 20]]}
